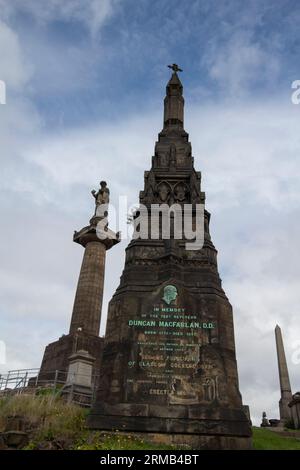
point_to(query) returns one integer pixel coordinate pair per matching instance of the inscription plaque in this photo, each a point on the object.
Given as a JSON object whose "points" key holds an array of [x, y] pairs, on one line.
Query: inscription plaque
{"points": [[164, 365]]}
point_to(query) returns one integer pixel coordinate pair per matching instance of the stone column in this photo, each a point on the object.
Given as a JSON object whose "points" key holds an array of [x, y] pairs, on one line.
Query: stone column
{"points": [[86, 314], [285, 386], [88, 299], [95, 238]]}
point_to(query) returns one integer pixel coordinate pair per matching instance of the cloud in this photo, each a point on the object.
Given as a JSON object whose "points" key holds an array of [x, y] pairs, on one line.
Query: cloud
{"points": [[49, 61], [240, 62], [92, 13], [249, 157], [13, 68], [250, 151]]}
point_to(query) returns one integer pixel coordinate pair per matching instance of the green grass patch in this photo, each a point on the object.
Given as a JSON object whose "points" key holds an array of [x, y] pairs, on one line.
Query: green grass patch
{"points": [[264, 439], [46, 415]]}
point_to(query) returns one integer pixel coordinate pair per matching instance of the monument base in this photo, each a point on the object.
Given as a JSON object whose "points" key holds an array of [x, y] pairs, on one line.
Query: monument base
{"points": [[57, 354], [197, 426]]}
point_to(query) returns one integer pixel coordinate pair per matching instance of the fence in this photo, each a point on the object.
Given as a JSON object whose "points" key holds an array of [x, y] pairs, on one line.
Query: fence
{"points": [[56, 382]]}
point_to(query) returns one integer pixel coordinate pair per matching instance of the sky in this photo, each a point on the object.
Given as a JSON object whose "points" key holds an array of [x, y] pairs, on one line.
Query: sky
{"points": [[85, 82]]}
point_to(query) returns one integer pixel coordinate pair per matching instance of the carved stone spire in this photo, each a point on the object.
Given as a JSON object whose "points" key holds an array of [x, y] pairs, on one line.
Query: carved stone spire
{"points": [[173, 104], [285, 386], [161, 373]]}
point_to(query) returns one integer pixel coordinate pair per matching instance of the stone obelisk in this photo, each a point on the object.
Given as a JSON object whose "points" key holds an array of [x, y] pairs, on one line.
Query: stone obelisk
{"points": [[285, 386]]}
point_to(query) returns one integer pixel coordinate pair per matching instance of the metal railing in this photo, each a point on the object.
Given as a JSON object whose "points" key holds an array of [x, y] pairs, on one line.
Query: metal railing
{"points": [[15, 379], [76, 388]]}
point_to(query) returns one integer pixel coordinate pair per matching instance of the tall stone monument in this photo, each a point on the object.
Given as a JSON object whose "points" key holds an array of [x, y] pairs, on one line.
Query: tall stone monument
{"points": [[96, 239], [169, 365], [285, 386]]}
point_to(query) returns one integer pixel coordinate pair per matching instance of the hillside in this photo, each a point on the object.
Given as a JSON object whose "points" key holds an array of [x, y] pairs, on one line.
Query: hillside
{"points": [[48, 422]]}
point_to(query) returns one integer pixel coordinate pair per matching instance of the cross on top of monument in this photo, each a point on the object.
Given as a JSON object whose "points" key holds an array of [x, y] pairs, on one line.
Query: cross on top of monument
{"points": [[175, 68]]}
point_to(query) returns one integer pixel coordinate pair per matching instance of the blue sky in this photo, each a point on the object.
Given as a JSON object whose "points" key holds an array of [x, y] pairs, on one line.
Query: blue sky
{"points": [[85, 86], [82, 69]]}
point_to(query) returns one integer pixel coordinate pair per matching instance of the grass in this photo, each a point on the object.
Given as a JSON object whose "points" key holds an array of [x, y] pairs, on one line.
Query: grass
{"points": [[53, 422], [264, 439], [116, 441], [46, 416]]}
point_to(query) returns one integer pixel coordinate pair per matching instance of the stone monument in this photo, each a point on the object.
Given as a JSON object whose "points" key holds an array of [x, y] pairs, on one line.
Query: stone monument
{"points": [[96, 239], [168, 365], [285, 386], [264, 421], [294, 406]]}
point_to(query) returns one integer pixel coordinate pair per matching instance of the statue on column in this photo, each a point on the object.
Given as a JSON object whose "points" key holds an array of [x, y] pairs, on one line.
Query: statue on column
{"points": [[101, 199]]}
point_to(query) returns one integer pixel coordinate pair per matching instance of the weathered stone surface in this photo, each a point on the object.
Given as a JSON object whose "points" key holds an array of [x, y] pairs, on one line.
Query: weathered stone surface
{"points": [[80, 371], [88, 300], [56, 355], [15, 439], [168, 363], [15, 423], [294, 406], [3, 446], [200, 442], [284, 379]]}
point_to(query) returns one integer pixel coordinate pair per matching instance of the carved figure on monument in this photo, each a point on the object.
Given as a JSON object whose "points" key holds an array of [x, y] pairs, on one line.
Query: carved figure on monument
{"points": [[182, 392], [101, 198], [170, 294], [164, 159], [209, 388], [195, 193], [151, 187], [164, 192], [172, 157], [180, 192], [188, 152]]}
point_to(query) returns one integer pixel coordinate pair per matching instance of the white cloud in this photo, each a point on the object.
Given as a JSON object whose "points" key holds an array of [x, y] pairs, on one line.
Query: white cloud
{"points": [[241, 61], [249, 157], [13, 68], [249, 152], [92, 13]]}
